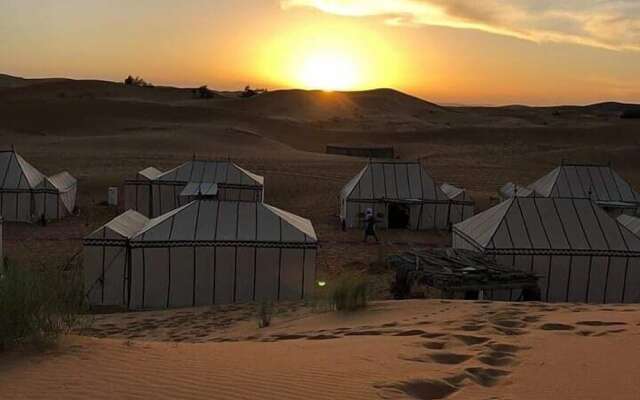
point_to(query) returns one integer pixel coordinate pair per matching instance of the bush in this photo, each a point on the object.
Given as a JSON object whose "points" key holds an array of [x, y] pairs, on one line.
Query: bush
{"points": [[349, 292], [38, 304], [265, 312]]}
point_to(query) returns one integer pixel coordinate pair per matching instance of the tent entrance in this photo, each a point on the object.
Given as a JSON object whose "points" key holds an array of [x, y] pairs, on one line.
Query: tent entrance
{"points": [[398, 216]]}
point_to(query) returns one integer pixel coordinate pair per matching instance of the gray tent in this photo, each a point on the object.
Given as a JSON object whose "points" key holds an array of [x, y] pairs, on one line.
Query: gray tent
{"points": [[584, 181], [206, 252], [153, 193], [26, 195], [404, 193], [580, 253]]}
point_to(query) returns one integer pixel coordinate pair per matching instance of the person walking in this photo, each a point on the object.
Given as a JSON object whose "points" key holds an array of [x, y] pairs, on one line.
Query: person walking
{"points": [[370, 225]]}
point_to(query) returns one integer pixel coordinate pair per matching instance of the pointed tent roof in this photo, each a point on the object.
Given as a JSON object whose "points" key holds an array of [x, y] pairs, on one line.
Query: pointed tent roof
{"points": [[510, 190], [150, 173], [631, 223], [61, 182], [124, 226], [597, 182], [17, 173], [227, 221], [396, 180], [530, 224], [211, 171]]}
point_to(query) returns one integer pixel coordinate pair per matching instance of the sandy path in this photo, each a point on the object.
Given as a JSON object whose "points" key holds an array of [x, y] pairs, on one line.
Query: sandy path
{"points": [[393, 350]]}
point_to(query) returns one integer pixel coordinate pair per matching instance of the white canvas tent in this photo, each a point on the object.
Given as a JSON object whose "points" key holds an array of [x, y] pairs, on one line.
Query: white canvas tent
{"points": [[27, 195], [206, 252], [580, 253], [599, 183], [404, 193], [153, 193]]}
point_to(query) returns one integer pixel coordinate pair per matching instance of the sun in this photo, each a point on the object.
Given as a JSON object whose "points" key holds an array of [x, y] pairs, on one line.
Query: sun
{"points": [[329, 70]]}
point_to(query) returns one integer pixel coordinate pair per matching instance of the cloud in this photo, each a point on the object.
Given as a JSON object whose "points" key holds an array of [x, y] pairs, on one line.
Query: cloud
{"points": [[610, 24]]}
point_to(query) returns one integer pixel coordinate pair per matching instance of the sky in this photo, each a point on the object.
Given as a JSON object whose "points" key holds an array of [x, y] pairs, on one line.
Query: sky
{"points": [[489, 52]]}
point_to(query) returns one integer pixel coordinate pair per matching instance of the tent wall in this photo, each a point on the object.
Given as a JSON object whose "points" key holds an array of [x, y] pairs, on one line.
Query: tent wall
{"points": [[137, 196], [422, 216], [165, 277], [16, 206], [579, 278]]}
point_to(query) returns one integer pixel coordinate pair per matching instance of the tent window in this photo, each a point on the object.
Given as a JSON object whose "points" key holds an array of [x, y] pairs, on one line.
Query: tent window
{"points": [[398, 216]]}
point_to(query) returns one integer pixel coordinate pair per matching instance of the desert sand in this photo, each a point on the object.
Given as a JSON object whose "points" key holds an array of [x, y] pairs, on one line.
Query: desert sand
{"points": [[415, 349]]}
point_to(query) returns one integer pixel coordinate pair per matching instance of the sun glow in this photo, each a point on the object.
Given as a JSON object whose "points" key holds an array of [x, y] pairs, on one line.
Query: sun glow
{"points": [[329, 71], [330, 56]]}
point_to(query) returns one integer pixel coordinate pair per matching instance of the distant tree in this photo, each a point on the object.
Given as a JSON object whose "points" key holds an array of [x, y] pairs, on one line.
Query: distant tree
{"points": [[203, 92], [137, 81], [248, 92]]}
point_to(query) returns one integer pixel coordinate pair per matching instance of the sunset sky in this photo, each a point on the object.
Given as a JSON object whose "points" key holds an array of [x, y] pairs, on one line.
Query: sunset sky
{"points": [[448, 51]]}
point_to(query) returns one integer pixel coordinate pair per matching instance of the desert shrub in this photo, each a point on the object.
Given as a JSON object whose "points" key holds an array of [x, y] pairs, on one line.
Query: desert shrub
{"points": [[265, 312], [348, 293], [37, 304]]}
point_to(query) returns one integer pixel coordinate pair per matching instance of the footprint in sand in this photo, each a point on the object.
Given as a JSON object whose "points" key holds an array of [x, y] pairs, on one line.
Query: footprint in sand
{"points": [[486, 377], [600, 323], [421, 389], [440, 358], [497, 358], [557, 327], [471, 340], [412, 332]]}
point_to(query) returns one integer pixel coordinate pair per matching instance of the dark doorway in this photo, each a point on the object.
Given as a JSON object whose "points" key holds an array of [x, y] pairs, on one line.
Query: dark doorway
{"points": [[398, 216]]}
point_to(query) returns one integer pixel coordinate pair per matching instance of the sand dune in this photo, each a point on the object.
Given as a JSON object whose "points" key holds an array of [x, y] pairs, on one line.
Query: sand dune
{"points": [[393, 350]]}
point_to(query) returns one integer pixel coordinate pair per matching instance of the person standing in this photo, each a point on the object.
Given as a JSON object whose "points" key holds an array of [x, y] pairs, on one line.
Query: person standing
{"points": [[370, 225]]}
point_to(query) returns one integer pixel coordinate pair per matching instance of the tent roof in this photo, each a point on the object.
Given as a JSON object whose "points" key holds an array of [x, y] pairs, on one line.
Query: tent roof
{"points": [[126, 225], [597, 182], [227, 221], [541, 223], [631, 223], [62, 181], [451, 191], [393, 180], [150, 173], [212, 171], [510, 190], [200, 189], [17, 173]]}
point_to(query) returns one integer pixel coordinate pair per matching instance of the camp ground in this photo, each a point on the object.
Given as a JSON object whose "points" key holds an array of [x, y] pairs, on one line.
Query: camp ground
{"points": [[154, 193]]}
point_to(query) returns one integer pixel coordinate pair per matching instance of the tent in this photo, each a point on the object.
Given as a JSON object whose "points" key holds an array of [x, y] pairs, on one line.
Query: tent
{"points": [[27, 195], [403, 193], [1, 246], [205, 252], [458, 194], [631, 223], [154, 193], [510, 190], [588, 181], [580, 253]]}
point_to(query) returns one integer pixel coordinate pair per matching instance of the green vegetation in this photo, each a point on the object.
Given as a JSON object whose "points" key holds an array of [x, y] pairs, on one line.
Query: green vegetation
{"points": [[349, 292], [37, 304]]}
